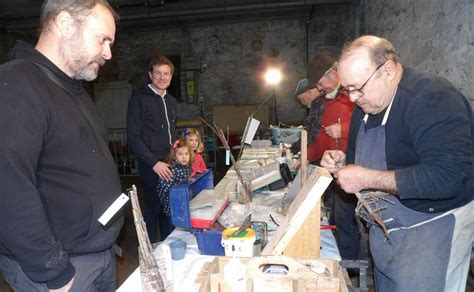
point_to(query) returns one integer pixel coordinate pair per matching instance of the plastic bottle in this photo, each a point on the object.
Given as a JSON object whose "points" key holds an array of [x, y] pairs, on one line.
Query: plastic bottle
{"points": [[235, 274]]}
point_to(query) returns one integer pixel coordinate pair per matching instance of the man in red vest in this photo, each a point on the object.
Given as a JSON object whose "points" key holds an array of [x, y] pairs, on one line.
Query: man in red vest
{"points": [[328, 129]]}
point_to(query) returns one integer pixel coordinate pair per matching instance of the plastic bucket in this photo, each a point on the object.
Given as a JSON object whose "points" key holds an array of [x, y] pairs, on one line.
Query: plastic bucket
{"points": [[240, 245]]}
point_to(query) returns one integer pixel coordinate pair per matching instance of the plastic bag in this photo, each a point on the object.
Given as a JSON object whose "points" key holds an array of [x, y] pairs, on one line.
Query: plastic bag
{"points": [[234, 214]]}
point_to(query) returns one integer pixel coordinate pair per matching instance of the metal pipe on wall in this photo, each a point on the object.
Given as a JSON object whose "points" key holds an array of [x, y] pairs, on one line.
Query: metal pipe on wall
{"points": [[358, 18], [233, 9], [31, 22], [308, 22]]}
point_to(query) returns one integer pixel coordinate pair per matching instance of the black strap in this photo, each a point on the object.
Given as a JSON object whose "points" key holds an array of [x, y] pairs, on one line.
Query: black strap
{"points": [[82, 106]]}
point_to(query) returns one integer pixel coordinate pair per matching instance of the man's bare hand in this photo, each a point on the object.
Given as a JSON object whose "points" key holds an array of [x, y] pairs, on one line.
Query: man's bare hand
{"points": [[297, 165], [333, 131], [354, 178], [351, 178], [163, 170], [307, 97], [332, 160]]}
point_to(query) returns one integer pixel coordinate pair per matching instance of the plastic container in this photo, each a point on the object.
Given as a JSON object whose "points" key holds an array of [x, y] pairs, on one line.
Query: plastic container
{"points": [[181, 194], [285, 178], [178, 249], [206, 207], [240, 245], [261, 234], [235, 274], [209, 241]]}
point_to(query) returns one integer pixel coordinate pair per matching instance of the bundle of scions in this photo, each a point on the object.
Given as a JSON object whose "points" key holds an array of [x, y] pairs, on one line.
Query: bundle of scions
{"points": [[151, 270]]}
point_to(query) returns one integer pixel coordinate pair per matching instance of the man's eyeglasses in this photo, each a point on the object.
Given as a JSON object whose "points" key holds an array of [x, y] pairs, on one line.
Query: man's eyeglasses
{"points": [[357, 93]]}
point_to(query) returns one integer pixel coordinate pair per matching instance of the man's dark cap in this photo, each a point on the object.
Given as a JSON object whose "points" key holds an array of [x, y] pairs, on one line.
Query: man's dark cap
{"points": [[301, 87], [320, 63]]}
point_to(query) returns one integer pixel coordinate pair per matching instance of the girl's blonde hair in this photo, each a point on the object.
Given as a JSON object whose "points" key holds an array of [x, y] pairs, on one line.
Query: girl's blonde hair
{"points": [[180, 143], [191, 132]]}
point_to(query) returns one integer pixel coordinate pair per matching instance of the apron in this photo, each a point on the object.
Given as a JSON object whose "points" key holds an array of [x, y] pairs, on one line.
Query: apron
{"points": [[416, 256]]}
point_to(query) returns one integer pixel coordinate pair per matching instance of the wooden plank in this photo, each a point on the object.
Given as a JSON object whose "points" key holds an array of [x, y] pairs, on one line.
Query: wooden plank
{"points": [[298, 212], [306, 242]]}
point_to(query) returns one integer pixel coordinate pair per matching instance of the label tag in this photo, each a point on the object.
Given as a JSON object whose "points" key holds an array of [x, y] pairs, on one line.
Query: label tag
{"points": [[113, 209], [227, 157], [250, 130]]}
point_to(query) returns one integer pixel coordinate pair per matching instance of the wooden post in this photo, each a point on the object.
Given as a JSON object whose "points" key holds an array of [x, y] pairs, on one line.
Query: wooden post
{"points": [[304, 157]]}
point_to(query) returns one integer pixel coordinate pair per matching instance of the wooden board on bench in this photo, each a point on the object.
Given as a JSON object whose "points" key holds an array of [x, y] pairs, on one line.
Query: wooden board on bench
{"points": [[299, 236]]}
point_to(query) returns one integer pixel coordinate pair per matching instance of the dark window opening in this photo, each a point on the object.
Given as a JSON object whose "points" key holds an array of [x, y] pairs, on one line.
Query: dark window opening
{"points": [[175, 85]]}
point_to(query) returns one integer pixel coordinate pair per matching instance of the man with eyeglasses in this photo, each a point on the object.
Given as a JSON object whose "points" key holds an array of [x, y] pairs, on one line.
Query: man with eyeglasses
{"points": [[328, 128], [411, 138]]}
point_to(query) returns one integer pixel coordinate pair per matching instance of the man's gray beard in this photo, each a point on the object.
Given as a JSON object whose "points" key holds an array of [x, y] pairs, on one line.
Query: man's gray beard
{"points": [[80, 70], [85, 72], [332, 94]]}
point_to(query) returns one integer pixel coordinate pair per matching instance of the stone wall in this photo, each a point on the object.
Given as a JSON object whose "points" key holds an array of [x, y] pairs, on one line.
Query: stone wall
{"points": [[234, 57], [430, 35]]}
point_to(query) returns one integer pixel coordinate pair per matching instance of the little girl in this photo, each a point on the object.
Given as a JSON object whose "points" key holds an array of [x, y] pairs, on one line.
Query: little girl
{"points": [[194, 140], [181, 157]]}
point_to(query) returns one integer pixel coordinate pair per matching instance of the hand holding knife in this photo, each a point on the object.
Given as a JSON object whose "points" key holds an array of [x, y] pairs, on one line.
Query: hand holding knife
{"points": [[336, 162]]}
